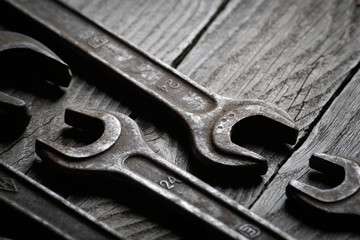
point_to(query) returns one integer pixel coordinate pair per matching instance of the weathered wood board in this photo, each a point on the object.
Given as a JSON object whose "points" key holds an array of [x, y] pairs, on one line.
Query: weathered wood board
{"points": [[162, 28], [158, 28], [299, 55], [337, 133], [296, 54]]}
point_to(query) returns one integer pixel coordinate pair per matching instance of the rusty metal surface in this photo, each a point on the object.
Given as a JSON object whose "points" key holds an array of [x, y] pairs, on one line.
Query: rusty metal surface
{"points": [[340, 200], [209, 118], [122, 153], [49, 215]]}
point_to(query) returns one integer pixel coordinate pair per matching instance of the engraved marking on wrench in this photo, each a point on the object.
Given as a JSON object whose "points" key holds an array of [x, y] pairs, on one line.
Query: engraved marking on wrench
{"points": [[169, 183], [97, 41], [249, 230], [152, 76], [168, 84], [8, 184]]}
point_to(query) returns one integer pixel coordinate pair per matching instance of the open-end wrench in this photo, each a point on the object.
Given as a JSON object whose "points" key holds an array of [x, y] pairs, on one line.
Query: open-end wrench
{"points": [[24, 202], [209, 118], [122, 153], [14, 110], [30, 202], [24, 55], [344, 199]]}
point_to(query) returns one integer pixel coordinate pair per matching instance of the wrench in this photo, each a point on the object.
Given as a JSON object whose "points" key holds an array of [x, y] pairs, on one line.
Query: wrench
{"points": [[122, 153], [21, 197], [20, 53], [31, 202], [210, 118], [344, 199], [14, 111]]}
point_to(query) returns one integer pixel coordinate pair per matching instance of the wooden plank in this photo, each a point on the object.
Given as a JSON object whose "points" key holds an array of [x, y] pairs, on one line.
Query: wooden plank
{"points": [[295, 54], [292, 53], [157, 27], [337, 133], [162, 28]]}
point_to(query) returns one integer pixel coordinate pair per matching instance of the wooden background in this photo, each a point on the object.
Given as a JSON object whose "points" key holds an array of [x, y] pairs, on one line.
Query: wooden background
{"points": [[302, 55]]}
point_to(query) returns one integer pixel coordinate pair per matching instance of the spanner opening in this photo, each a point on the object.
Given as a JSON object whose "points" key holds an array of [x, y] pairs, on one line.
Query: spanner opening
{"points": [[85, 119], [260, 129], [21, 58], [18, 51], [35, 65], [13, 113], [252, 121], [316, 197]]}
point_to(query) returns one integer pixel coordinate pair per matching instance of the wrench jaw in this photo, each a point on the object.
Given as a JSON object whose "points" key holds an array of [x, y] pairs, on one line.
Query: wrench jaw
{"points": [[222, 152], [53, 155], [228, 164], [85, 157], [48, 67], [22, 56], [341, 200], [20, 51], [14, 111]]}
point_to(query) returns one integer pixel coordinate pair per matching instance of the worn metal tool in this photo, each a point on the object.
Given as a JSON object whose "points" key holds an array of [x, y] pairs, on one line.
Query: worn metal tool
{"points": [[122, 153], [30, 203], [15, 110], [210, 118], [21, 56], [344, 199], [22, 199]]}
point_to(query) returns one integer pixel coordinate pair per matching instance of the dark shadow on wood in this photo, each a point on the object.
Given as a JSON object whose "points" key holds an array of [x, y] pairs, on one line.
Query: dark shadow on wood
{"points": [[330, 223], [28, 74], [9, 131]]}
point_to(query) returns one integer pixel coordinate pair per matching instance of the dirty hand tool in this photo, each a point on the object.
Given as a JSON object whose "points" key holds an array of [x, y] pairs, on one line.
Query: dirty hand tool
{"points": [[30, 203], [344, 199], [22, 55], [210, 118], [122, 153]]}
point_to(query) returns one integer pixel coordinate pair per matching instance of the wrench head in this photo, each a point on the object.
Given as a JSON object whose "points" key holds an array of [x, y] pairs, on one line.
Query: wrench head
{"points": [[23, 55], [215, 144], [74, 157], [120, 139], [342, 199], [13, 111]]}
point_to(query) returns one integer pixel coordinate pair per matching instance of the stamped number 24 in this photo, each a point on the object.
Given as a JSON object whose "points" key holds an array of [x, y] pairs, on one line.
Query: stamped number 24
{"points": [[169, 183]]}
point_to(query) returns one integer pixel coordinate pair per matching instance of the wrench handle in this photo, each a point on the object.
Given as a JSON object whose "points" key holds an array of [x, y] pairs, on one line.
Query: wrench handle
{"points": [[200, 200], [33, 205], [153, 77]]}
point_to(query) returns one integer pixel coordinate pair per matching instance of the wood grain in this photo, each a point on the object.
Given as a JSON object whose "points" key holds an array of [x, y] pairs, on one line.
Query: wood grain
{"points": [[296, 54], [292, 53], [337, 133], [162, 28], [157, 27]]}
